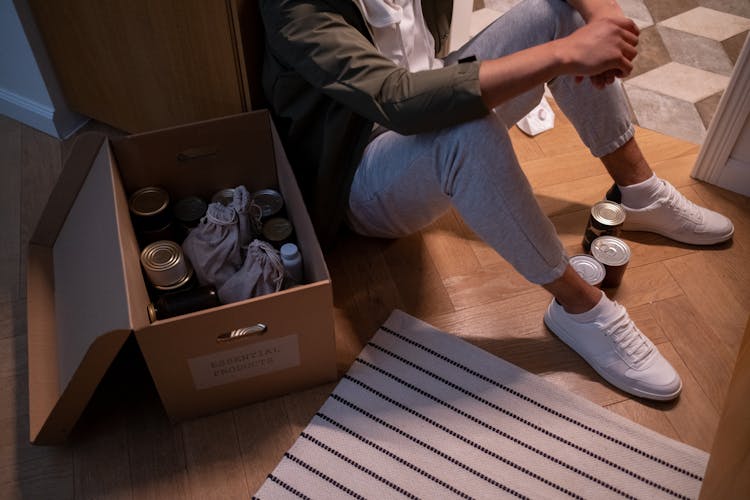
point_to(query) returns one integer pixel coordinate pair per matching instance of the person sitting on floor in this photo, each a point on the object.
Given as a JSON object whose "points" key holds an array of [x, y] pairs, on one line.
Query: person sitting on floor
{"points": [[386, 130]]}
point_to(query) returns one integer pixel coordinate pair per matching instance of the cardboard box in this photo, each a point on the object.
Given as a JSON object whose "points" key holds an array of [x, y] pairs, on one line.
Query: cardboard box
{"points": [[87, 295]]}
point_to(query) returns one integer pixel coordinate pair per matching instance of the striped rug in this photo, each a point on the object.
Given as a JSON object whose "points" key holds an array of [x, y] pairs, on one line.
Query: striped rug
{"points": [[424, 414]]}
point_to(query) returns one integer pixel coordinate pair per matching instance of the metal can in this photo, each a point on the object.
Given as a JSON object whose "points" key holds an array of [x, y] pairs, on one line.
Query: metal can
{"points": [[149, 212], [614, 254], [225, 197], [183, 302], [591, 270], [278, 231], [165, 265], [605, 219], [189, 211], [270, 201]]}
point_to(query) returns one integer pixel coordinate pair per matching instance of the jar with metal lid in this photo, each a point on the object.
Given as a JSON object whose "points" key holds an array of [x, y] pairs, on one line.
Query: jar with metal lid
{"points": [[166, 267], [270, 202], [605, 219], [149, 211], [614, 254], [591, 270], [278, 231], [225, 197], [183, 302], [188, 212]]}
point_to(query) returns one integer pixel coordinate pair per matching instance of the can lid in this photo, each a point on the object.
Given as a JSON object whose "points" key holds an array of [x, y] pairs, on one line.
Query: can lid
{"points": [[277, 229], [161, 255], [608, 213], [149, 201], [269, 200], [190, 209], [152, 312], [590, 269], [225, 197], [610, 251], [165, 265]]}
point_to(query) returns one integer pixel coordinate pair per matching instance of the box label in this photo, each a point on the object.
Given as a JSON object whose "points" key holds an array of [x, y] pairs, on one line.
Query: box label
{"points": [[245, 362]]}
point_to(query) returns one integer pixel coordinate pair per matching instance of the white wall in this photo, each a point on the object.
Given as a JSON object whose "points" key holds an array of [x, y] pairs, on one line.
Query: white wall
{"points": [[29, 91]]}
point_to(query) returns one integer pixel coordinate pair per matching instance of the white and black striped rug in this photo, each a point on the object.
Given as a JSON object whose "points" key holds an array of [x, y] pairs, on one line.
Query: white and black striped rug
{"points": [[424, 414]]}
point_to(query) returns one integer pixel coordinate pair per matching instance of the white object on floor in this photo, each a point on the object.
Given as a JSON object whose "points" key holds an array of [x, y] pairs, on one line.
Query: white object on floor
{"points": [[538, 120], [424, 414]]}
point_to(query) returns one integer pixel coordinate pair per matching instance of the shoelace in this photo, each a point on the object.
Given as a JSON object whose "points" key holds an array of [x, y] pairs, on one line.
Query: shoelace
{"points": [[684, 206], [628, 338]]}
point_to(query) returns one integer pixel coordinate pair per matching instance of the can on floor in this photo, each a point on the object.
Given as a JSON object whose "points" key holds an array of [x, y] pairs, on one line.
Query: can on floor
{"points": [[591, 270], [614, 254], [605, 219]]}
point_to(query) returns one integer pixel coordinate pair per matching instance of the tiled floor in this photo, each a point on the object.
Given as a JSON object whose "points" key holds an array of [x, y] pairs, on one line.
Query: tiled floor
{"points": [[687, 50]]}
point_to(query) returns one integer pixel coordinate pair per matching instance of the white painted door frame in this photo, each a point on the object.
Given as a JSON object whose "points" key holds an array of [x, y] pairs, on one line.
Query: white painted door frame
{"points": [[725, 128]]}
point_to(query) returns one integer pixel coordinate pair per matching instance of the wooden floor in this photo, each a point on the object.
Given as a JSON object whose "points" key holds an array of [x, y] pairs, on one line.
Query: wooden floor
{"points": [[692, 302]]}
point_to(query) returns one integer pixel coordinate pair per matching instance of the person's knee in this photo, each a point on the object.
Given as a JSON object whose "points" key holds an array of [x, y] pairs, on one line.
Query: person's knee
{"points": [[471, 149], [560, 12]]}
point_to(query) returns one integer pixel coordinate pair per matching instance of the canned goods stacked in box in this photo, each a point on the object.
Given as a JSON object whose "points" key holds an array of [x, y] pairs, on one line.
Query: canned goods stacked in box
{"points": [[197, 254]]}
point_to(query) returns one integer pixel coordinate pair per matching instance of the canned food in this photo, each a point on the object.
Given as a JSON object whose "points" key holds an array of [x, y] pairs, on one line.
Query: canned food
{"points": [[165, 265], [605, 219], [183, 302], [148, 211], [277, 231], [614, 254], [591, 270], [189, 211], [271, 202], [225, 197]]}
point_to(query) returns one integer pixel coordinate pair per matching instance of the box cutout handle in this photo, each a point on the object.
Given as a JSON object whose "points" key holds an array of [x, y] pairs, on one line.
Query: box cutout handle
{"points": [[196, 153], [258, 329]]}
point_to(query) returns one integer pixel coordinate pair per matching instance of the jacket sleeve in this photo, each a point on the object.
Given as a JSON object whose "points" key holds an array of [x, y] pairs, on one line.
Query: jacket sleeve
{"points": [[314, 40]]}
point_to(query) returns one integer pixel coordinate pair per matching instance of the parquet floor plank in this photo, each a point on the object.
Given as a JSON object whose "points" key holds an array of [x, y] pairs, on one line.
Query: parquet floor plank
{"points": [[692, 302]]}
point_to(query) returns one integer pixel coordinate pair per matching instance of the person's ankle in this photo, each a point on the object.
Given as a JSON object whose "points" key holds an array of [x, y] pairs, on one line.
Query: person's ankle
{"points": [[581, 304]]}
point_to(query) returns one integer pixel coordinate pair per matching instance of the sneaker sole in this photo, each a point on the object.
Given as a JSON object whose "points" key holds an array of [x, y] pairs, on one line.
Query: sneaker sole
{"points": [[605, 375], [713, 240]]}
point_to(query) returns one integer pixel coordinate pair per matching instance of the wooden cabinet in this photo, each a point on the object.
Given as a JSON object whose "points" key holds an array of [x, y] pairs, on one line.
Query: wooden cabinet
{"points": [[141, 65]]}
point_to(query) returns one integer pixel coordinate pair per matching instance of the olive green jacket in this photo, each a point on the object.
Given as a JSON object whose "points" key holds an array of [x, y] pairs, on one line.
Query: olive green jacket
{"points": [[327, 84]]}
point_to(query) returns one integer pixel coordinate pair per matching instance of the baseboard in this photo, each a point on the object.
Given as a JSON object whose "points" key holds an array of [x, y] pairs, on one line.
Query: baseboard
{"points": [[59, 123], [735, 176]]}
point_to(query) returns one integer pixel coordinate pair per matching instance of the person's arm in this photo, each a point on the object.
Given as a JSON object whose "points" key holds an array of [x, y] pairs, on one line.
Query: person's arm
{"points": [[313, 41], [601, 49], [592, 10]]}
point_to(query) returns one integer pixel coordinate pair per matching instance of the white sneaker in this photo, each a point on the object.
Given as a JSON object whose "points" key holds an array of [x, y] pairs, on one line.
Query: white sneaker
{"points": [[674, 216], [617, 350]]}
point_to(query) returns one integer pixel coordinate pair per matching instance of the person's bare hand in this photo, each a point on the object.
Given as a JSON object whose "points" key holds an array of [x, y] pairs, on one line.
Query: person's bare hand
{"points": [[603, 50]]}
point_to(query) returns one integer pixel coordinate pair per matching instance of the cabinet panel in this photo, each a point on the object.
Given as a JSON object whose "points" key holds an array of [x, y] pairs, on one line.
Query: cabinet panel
{"points": [[141, 65]]}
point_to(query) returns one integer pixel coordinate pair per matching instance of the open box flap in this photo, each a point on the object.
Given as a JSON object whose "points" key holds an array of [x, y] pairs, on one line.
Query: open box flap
{"points": [[80, 309]]}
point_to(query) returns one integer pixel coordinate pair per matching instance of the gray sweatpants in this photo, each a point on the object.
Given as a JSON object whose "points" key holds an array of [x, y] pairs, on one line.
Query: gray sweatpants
{"points": [[404, 183]]}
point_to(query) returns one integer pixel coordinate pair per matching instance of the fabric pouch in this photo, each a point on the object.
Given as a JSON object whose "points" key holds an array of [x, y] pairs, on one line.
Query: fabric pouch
{"points": [[248, 214], [213, 246], [261, 273]]}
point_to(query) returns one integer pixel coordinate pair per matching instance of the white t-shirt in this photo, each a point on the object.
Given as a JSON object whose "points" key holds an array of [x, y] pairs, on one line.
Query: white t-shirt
{"points": [[400, 33]]}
